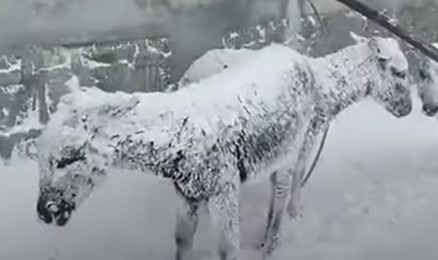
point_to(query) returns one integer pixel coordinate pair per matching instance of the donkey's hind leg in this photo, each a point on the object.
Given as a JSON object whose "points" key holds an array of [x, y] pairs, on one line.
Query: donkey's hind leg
{"points": [[224, 211], [186, 224]]}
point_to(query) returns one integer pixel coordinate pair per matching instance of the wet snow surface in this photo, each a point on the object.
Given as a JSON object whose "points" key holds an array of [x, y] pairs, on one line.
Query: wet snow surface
{"points": [[373, 196]]}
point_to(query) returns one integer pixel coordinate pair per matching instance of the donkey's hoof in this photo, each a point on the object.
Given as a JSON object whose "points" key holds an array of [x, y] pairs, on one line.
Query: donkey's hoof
{"points": [[294, 210], [295, 215]]}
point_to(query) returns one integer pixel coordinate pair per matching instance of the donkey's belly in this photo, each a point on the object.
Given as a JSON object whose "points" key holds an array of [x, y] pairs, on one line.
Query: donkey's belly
{"points": [[197, 187]]}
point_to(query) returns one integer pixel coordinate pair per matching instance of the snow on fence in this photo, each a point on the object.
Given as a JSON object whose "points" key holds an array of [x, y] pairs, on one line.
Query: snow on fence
{"points": [[34, 79]]}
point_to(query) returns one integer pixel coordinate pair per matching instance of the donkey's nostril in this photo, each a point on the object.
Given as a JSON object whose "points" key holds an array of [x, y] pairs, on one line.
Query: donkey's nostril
{"points": [[51, 212], [63, 215], [43, 212]]}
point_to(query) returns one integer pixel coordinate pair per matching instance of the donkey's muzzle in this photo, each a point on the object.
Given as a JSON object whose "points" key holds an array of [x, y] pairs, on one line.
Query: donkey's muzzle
{"points": [[43, 212], [402, 107], [50, 212], [430, 109]]}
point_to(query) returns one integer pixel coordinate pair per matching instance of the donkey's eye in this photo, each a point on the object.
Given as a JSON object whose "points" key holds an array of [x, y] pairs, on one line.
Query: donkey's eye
{"points": [[399, 88], [72, 156], [398, 74], [423, 75], [64, 162], [382, 62]]}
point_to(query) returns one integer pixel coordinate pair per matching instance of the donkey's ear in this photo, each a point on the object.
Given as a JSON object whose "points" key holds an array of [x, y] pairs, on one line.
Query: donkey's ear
{"points": [[374, 45], [357, 38], [423, 70]]}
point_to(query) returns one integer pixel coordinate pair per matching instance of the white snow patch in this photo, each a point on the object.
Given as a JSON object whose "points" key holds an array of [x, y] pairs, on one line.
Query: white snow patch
{"points": [[11, 89], [91, 64], [13, 67], [31, 121], [214, 61], [5, 111], [373, 196]]}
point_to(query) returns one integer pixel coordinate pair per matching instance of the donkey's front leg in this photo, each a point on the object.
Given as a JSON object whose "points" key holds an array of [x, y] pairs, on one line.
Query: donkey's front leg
{"points": [[280, 185], [186, 224], [271, 208], [224, 211]]}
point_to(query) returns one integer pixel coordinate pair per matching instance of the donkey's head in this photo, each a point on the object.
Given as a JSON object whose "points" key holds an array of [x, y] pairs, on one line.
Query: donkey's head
{"points": [[428, 85], [390, 85], [70, 168]]}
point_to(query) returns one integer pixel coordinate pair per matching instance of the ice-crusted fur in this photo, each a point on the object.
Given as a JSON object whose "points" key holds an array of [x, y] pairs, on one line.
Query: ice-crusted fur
{"points": [[428, 85], [210, 136], [329, 100]]}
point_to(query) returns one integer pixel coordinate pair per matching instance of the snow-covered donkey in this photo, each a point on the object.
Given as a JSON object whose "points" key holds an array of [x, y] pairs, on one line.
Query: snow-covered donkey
{"points": [[428, 85], [350, 74], [211, 136]]}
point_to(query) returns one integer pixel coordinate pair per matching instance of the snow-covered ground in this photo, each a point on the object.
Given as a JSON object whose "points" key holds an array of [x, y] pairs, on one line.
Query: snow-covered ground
{"points": [[372, 196]]}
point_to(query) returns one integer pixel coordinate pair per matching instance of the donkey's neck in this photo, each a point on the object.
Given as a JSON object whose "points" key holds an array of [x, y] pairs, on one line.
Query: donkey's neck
{"points": [[345, 77]]}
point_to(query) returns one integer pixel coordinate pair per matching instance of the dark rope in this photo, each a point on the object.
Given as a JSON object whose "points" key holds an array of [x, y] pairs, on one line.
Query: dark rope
{"points": [[315, 161], [316, 12], [386, 22]]}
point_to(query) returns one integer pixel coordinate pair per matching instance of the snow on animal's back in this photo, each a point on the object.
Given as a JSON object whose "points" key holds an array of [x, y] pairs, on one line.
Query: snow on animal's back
{"points": [[214, 61], [214, 102], [261, 76]]}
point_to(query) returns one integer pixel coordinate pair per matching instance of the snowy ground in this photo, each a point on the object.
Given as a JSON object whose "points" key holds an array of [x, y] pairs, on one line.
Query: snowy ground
{"points": [[373, 196]]}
